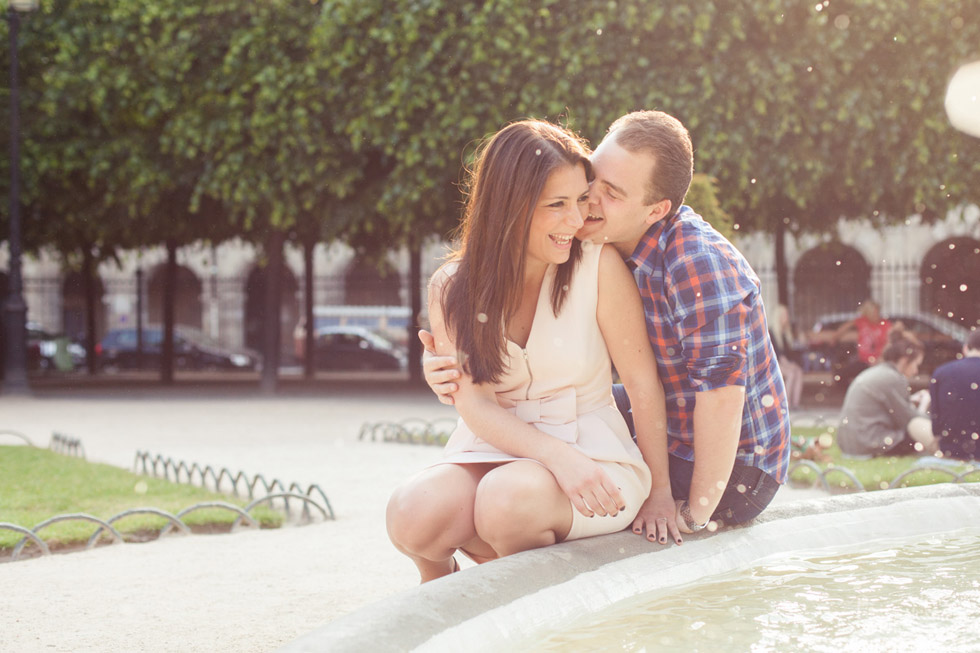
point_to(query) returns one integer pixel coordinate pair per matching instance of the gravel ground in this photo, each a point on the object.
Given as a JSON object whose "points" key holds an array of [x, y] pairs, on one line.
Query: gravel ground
{"points": [[247, 591]]}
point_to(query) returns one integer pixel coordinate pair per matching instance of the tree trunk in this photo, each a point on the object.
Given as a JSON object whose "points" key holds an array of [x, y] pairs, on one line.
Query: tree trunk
{"points": [[309, 243], [273, 301], [88, 289], [139, 318], [169, 299], [782, 270], [415, 295]]}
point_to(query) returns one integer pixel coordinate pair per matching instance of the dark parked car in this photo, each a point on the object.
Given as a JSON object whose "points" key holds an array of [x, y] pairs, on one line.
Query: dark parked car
{"points": [[355, 348], [192, 351], [943, 341]]}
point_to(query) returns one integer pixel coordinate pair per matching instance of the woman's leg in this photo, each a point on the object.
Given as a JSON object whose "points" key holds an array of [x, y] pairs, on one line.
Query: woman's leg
{"points": [[430, 516], [793, 379], [519, 506]]}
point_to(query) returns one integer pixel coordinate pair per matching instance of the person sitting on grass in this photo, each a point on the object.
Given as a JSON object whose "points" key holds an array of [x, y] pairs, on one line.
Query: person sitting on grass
{"points": [[878, 417], [955, 405]]}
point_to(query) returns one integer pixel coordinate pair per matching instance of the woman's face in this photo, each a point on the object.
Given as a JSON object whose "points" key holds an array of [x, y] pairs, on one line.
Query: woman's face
{"points": [[559, 212]]}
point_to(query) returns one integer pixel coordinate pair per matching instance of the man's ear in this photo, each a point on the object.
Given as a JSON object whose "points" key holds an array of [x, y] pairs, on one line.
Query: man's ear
{"points": [[658, 211]]}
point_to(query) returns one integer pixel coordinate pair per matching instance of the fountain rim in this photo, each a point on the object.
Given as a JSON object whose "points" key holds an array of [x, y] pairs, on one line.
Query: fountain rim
{"points": [[501, 604]]}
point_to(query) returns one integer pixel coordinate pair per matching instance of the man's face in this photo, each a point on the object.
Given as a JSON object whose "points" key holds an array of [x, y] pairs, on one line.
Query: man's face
{"points": [[910, 366], [618, 213]]}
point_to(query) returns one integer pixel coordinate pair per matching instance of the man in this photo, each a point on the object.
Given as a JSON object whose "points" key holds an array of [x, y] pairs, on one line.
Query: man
{"points": [[728, 418], [955, 403], [879, 417]]}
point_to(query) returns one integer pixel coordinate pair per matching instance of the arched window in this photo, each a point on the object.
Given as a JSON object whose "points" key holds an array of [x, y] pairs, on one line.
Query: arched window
{"points": [[187, 299], [950, 277], [830, 278]]}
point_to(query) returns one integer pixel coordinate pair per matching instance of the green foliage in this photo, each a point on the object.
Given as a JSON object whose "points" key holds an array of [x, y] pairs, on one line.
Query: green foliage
{"points": [[37, 484], [841, 109], [798, 111], [153, 120], [703, 195]]}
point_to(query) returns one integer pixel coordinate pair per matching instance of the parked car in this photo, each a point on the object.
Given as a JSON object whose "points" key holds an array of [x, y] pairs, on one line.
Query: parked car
{"points": [[355, 348], [943, 341], [192, 351], [48, 351], [389, 322]]}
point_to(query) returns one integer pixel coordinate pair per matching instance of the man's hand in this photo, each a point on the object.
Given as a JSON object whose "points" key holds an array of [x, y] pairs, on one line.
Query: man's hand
{"points": [[658, 516], [921, 400], [440, 371]]}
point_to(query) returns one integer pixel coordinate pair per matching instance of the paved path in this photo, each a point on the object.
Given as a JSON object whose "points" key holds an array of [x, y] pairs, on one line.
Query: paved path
{"points": [[249, 591]]}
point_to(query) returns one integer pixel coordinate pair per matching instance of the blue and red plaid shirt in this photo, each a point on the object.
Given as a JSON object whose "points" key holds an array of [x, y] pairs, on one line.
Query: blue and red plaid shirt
{"points": [[708, 329]]}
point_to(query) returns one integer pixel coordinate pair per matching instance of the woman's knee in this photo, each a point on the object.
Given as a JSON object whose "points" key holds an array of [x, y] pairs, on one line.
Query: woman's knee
{"points": [[517, 501], [422, 508], [406, 516]]}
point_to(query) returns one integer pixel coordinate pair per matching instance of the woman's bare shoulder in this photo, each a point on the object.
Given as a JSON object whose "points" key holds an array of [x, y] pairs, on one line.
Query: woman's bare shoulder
{"points": [[442, 275]]}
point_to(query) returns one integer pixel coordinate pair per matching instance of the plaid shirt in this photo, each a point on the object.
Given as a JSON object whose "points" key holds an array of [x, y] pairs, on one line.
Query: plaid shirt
{"points": [[708, 329]]}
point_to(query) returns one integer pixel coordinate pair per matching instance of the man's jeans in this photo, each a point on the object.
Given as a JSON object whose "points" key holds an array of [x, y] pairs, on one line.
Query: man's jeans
{"points": [[749, 489]]}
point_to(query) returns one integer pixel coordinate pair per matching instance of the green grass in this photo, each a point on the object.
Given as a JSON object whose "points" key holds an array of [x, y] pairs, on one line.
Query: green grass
{"points": [[875, 473], [37, 484]]}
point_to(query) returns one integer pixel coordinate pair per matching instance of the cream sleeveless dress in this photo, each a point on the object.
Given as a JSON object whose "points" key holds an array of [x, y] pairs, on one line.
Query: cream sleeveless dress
{"points": [[561, 383]]}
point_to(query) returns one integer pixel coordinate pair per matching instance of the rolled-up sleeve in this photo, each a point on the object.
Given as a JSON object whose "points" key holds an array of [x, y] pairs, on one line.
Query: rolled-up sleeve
{"points": [[713, 317]]}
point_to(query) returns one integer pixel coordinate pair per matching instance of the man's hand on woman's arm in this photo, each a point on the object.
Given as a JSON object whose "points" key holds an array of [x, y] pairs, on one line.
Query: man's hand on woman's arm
{"points": [[440, 371]]}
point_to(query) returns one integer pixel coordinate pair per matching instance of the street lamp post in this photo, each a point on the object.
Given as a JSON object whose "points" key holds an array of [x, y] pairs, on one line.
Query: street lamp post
{"points": [[14, 308]]}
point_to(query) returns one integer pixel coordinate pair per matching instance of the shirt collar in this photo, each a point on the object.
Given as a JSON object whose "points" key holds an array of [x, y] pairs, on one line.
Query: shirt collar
{"points": [[649, 244]]}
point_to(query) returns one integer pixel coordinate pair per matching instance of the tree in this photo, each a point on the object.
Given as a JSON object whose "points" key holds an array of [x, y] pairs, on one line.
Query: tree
{"points": [[803, 113], [414, 86], [835, 110], [260, 119], [112, 86]]}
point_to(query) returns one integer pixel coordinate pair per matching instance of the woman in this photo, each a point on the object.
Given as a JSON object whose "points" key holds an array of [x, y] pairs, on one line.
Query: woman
{"points": [[540, 454], [787, 346], [878, 417], [870, 331]]}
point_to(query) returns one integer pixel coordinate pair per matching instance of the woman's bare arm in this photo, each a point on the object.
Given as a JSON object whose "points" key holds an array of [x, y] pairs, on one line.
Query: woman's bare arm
{"points": [[623, 325]]}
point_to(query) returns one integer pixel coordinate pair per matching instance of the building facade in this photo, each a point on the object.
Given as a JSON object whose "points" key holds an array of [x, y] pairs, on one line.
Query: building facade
{"points": [[910, 267]]}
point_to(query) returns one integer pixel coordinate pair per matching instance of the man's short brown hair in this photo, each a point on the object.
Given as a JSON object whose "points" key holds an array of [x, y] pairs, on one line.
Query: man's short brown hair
{"points": [[666, 138]]}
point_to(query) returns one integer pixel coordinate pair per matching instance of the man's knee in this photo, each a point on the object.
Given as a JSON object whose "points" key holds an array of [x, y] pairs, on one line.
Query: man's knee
{"points": [[920, 430], [749, 492]]}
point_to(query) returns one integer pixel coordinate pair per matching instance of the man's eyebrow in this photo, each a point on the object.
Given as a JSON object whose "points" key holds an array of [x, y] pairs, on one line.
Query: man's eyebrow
{"points": [[613, 186]]}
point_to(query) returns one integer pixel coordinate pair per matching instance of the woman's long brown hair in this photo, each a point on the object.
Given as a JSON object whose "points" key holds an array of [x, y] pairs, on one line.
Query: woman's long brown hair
{"points": [[507, 178]]}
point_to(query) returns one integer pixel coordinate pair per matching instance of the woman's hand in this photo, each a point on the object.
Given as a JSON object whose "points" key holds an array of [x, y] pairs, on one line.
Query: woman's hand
{"points": [[585, 483], [658, 517], [441, 372]]}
